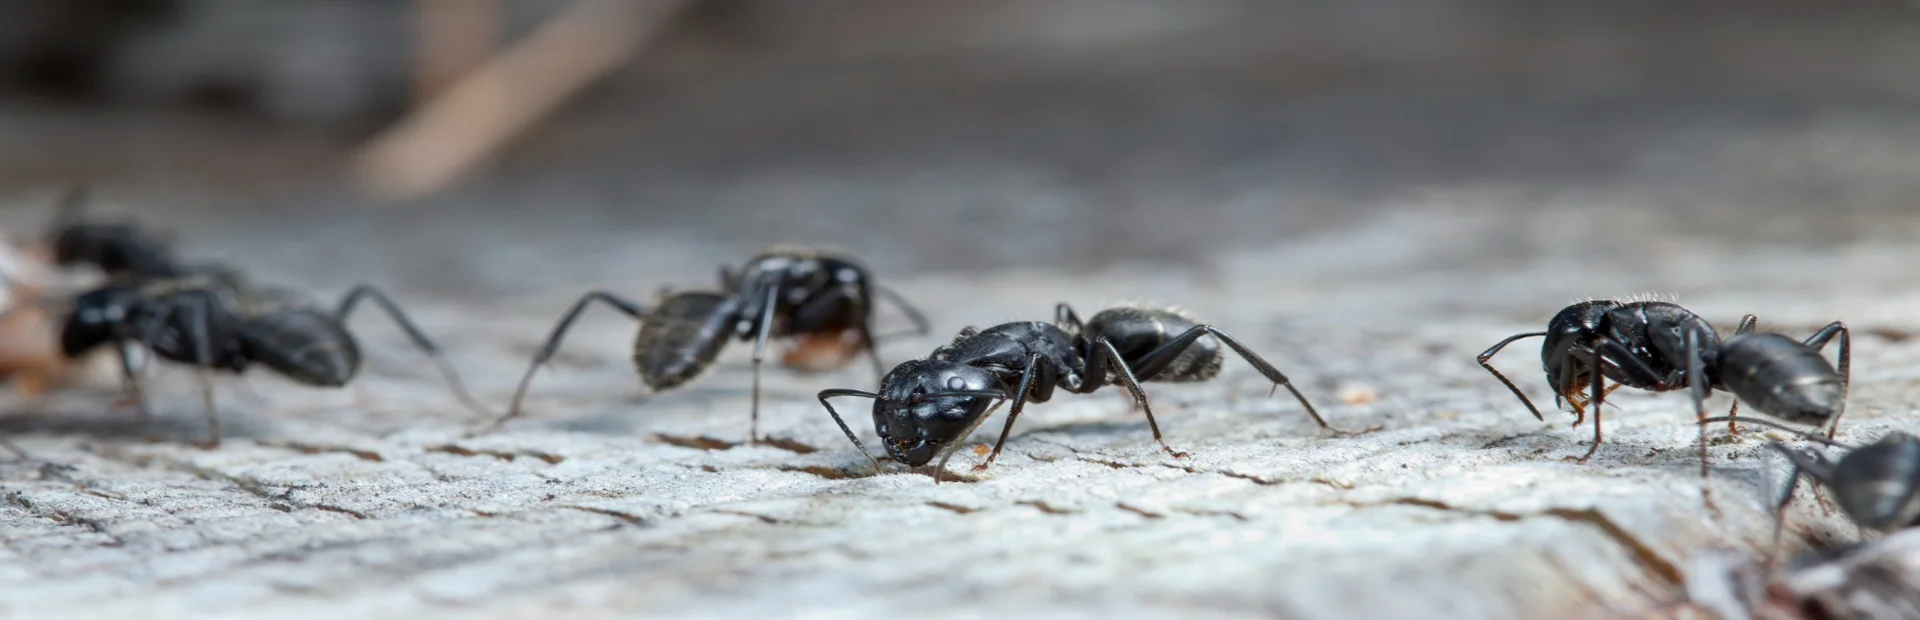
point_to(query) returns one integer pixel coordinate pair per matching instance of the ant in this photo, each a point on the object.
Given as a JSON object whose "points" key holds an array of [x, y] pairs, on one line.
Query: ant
{"points": [[1639, 344], [822, 301], [122, 251], [926, 407], [217, 322], [1877, 485], [1659, 346]]}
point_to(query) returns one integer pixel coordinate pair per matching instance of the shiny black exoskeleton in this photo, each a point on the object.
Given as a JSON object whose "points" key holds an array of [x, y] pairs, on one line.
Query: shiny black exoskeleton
{"points": [[122, 251], [1877, 485], [1159, 344], [824, 302], [1785, 378], [220, 324], [926, 407], [1641, 344], [1659, 346]]}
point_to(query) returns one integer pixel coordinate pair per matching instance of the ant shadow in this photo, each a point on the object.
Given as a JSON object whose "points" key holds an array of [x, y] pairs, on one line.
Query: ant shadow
{"points": [[629, 414], [1088, 428], [107, 424]]}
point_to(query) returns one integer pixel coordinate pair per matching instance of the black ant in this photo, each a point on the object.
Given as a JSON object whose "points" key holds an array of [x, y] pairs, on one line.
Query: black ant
{"points": [[1659, 346], [1644, 345], [220, 323], [122, 251], [926, 407], [1877, 485], [824, 302]]}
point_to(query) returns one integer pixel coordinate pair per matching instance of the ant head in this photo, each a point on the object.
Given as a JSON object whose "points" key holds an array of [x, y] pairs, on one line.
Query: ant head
{"points": [[96, 318], [1578, 324], [927, 405], [1582, 319]]}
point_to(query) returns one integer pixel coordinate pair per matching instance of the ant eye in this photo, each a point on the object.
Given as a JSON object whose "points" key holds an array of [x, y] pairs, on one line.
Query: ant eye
{"points": [[880, 429], [956, 383]]}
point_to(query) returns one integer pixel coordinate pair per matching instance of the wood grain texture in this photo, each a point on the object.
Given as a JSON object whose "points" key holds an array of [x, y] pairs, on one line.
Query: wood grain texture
{"points": [[369, 502]]}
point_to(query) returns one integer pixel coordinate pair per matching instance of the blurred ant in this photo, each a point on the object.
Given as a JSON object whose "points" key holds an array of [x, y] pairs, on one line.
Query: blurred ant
{"points": [[122, 251], [926, 407], [218, 322], [1877, 485], [1659, 346], [824, 302]]}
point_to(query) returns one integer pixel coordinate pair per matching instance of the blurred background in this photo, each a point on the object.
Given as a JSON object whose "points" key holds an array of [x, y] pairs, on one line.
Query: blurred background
{"points": [[496, 147]]}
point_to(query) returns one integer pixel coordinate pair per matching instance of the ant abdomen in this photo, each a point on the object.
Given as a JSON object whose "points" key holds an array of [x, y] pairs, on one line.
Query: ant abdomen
{"points": [[1136, 331], [304, 344], [1782, 377], [682, 337]]}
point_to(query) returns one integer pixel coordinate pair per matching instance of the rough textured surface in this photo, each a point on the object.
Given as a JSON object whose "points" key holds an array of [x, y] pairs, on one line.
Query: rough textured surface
{"points": [[608, 502], [1368, 201]]}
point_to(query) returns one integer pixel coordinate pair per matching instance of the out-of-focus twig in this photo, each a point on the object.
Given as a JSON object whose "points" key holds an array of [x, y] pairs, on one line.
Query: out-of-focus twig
{"points": [[473, 118], [453, 37]]}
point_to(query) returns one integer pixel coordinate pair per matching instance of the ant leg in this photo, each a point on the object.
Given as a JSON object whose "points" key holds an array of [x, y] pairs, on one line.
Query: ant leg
{"points": [[1819, 341], [1065, 318], [826, 394], [552, 344], [920, 325], [1637, 372], [1105, 350], [1780, 511], [1814, 466], [1747, 325], [760, 353], [18, 454], [1154, 361], [66, 212], [1697, 388], [1598, 396], [130, 382], [352, 299], [873, 353], [1563, 392], [197, 327], [1487, 355], [1019, 402]]}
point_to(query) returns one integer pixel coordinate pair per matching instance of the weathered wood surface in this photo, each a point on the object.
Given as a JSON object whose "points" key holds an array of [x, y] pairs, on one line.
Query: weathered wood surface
{"points": [[370, 502]]}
